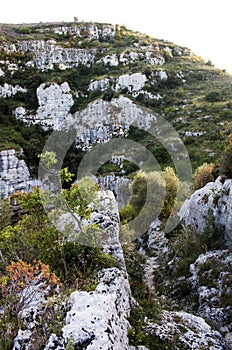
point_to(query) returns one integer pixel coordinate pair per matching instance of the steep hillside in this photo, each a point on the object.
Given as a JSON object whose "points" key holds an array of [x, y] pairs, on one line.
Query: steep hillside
{"points": [[79, 269], [76, 63]]}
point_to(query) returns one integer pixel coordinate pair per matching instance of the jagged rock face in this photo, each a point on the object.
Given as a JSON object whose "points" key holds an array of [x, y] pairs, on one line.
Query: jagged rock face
{"points": [[211, 277], [150, 57], [101, 120], [91, 31], [46, 54], [54, 101], [111, 60], [210, 292], [101, 84], [187, 331], [8, 90], [119, 185], [14, 174], [95, 320], [98, 320], [98, 122], [214, 199], [133, 82]]}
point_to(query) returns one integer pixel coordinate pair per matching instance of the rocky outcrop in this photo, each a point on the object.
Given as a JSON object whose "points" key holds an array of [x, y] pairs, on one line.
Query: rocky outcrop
{"points": [[150, 57], [120, 186], [54, 101], [101, 84], [8, 90], [210, 280], [111, 60], [47, 54], [131, 82], [162, 75], [2, 73], [97, 319], [187, 331], [14, 174], [209, 289], [212, 202], [85, 31], [101, 120]]}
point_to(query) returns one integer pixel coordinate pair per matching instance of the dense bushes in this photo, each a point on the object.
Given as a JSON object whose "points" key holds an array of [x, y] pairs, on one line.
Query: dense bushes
{"points": [[164, 187], [34, 237], [213, 96], [204, 174]]}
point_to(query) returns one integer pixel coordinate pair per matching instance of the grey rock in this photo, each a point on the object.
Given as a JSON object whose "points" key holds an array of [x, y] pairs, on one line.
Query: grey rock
{"points": [[14, 174], [8, 90], [213, 198]]}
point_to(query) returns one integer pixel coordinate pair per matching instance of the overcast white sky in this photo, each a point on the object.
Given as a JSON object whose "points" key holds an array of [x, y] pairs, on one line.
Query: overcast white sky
{"points": [[202, 25]]}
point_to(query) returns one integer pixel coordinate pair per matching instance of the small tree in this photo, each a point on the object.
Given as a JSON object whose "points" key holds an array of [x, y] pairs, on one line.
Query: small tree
{"points": [[203, 175], [18, 288], [23, 281], [172, 184]]}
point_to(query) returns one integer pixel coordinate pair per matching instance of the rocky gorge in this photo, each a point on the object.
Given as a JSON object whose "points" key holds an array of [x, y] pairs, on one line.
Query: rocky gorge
{"points": [[123, 92]]}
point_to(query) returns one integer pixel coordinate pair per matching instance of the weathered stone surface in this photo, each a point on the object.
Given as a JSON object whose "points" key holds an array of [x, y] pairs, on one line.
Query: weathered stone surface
{"points": [[2, 73], [14, 174], [162, 75], [8, 90], [132, 82], [184, 329], [89, 31], [121, 186], [98, 320], [54, 101], [46, 54], [101, 84], [211, 275], [101, 120], [111, 60], [213, 200]]}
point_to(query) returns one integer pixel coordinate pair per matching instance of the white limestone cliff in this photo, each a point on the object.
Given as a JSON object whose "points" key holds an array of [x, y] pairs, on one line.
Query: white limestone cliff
{"points": [[186, 331], [8, 90], [210, 280], [212, 201], [54, 101], [89, 31], [102, 119], [14, 174], [47, 54], [101, 84], [132, 82]]}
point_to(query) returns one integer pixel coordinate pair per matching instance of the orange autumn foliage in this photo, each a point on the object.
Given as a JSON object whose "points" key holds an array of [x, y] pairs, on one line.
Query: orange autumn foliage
{"points": [[22, 275]]}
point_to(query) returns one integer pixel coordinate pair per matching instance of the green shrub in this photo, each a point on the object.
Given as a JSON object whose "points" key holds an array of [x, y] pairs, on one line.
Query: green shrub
{"points": [[24, 30], [213, 96], [34, 237]]}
